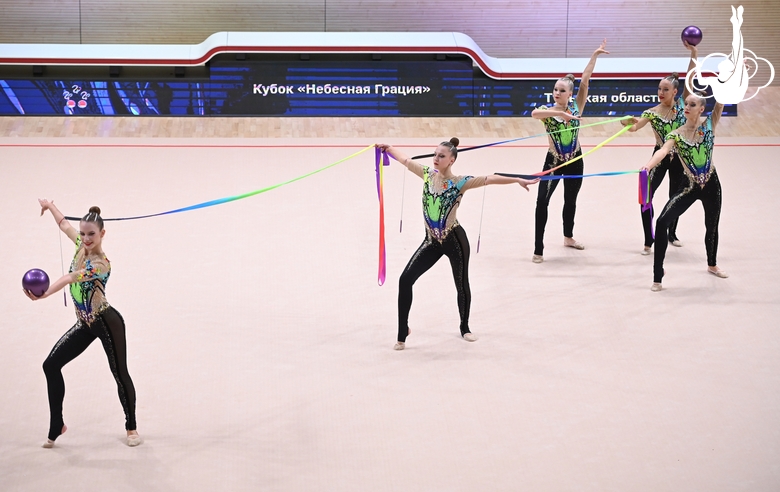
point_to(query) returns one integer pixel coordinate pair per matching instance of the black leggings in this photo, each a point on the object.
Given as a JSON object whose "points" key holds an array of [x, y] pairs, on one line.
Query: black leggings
{"points": [[110, 328], [456, 247], [571, 187], [710, 197], [673, 164]]}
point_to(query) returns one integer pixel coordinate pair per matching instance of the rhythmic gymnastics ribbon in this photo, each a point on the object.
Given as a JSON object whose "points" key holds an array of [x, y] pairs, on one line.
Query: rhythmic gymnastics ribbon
{"points": [[220, 201], [381, 162], [646, 198], [466, 149], [644, 191]]}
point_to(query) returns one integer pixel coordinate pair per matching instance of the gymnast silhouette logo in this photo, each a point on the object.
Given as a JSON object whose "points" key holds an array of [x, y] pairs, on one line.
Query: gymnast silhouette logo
{"points": [[734, 73]]}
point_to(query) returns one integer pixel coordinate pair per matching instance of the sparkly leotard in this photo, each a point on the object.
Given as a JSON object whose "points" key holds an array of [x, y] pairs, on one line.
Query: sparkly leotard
{"points": [[565, 142], [95, 320], [696, 155], [88, 292], [443, 237], [441, 198], [663, 125]]}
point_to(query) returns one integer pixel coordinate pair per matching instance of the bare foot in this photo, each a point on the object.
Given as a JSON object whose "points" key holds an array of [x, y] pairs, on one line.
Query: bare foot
{"points": [[49, 443]]}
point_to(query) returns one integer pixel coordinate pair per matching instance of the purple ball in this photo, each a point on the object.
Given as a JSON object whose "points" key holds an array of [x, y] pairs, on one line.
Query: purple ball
{"points": [[36, 281], [692, 34]]}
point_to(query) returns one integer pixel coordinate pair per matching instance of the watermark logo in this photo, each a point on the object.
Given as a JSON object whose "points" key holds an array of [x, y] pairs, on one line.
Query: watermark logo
{"points": [[734, 71]]}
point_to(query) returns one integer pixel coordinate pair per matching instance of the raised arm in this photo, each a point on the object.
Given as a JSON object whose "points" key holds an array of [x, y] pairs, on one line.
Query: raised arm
{"points": [[717, 111], [691, 66], [582, 92], [411, 165], [658, 156], [59, 218]]}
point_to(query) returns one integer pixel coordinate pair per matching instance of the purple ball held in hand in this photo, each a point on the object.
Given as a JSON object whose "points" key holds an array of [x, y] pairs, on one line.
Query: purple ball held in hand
{"points": [[692, 35], [36, 281]]}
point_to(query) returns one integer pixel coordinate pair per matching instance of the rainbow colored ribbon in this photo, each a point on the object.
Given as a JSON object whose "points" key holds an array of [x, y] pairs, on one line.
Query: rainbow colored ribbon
{"points": [[597, 147], [381, 162], [220, 201], [465, 149]]}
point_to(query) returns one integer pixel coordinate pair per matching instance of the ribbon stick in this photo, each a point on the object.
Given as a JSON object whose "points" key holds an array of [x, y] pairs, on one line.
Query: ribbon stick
{"points": [[381, 161], [220, 201]]}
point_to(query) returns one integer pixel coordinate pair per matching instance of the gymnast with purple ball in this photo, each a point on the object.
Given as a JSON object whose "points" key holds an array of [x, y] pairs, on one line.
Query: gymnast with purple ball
{"points": [[87, 278]]}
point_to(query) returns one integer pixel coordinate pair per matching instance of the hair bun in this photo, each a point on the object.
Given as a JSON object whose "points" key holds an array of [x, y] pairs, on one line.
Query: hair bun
{"points": [[455, 141], [570, 77], [675, 75], [94, 210]]}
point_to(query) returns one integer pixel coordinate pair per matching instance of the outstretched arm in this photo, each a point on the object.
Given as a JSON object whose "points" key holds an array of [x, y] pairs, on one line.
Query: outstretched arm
{"points": [[658, 156], [495, 179], [582, 92], [63, 224], [635, 123], [93, 271], [55, 287], [411, 165]]}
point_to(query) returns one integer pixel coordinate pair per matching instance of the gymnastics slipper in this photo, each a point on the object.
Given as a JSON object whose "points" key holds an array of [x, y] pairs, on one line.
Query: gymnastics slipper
{"points": [[470, 337], [537, 258], [647, 251], [676, 242], [656, 287], [719, 273], [575, 245], [134, 440], [48, 444], [399, 346]]}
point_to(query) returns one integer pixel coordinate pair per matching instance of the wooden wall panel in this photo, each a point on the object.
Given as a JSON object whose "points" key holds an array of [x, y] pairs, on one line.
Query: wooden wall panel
{"points": [[192, 21], [39, 21], [503, 28]]}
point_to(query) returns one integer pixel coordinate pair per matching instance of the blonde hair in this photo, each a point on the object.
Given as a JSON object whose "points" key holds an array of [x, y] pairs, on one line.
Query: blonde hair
{"points": [[674, 79], [569, 79]]}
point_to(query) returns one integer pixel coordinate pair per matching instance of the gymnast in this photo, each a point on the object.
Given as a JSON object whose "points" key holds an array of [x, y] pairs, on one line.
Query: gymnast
{"points": [[562, 121], [87, 278], [442, 192]]}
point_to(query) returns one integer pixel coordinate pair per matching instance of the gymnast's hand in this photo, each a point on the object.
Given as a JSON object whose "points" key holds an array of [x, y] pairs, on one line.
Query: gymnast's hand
{"points": [[45, 204], [629, 121], [382, 147], [601, 49], [525, 183], [32, 296]]}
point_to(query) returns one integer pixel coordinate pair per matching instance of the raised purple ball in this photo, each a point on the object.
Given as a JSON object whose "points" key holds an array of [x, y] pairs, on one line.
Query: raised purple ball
{"points": [[692, 34], [36, 281]]}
